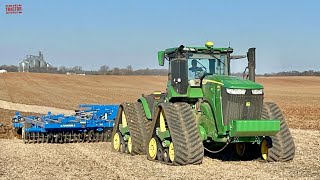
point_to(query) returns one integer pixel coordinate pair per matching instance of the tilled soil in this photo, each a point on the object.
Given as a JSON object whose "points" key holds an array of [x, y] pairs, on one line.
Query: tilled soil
{"points": [[6, 129], [97, 161], [298, 97]]}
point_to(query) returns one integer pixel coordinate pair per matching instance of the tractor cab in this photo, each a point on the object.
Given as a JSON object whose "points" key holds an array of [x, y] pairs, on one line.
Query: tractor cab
{"points": [[189, 65]]}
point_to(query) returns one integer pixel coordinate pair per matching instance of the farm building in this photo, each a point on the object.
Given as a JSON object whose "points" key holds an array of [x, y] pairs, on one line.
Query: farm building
{"points": [[34, 63]]}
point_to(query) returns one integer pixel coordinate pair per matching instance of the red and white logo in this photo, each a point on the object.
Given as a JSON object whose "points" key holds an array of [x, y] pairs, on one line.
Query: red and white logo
{"points": [[13, 9]]}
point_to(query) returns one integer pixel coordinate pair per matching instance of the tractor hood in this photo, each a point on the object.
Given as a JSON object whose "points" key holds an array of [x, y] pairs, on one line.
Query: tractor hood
{"points": [[232, 82]]}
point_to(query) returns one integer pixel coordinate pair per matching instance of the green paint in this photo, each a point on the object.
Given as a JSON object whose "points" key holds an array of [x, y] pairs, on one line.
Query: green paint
{"points": [[167, 143], [212, 93], [163, 135], [203, 133], [207, 121], [126, 137], [145, 107], [124, 130], [234, 82], [194, 92], [254, 127], [161, 58]]}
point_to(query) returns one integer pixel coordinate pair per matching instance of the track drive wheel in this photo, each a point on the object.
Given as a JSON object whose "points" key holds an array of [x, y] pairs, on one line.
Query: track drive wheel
{"points": [[279, 147]]}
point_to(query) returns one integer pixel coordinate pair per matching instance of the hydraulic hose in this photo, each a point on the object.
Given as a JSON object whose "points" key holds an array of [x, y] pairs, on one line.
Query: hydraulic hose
{"points": [[214, 152]]}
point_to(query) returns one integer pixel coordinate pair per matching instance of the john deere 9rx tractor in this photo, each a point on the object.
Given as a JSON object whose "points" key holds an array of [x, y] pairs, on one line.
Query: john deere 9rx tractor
{"points": [[203, 109]]}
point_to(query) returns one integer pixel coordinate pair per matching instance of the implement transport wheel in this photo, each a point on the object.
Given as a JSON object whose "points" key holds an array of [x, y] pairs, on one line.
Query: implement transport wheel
{"points": [[279, 147], [186, 144]]}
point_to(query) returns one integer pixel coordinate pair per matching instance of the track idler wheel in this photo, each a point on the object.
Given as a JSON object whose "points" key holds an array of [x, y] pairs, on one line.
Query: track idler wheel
{"points": [[166, 158], [153, 148], [116, 141]]}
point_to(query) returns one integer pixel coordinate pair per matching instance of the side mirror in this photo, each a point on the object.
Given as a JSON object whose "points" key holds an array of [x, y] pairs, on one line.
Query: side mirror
{"points": [[161, 58]]}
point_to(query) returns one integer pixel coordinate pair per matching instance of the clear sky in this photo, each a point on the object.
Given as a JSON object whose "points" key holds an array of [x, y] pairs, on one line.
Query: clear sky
{"points": [[92, 33]]}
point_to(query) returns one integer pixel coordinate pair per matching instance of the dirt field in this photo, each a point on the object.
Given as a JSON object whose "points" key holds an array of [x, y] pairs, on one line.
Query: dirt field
{"points": [[299, 97], [97, 161]]}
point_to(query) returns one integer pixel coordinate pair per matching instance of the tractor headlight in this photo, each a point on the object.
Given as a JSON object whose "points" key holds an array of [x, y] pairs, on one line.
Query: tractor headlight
{"points": [[257, 91], [236, 91]]}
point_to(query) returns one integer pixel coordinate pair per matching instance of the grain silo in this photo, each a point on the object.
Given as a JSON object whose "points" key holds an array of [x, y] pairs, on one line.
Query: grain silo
{"points": [[33, 63]]}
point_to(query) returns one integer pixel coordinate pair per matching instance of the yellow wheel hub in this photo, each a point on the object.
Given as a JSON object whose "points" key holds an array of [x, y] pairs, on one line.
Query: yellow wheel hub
{"points": [[264, 149], [162, 123], [116, 141], [240, 149], [152, 150], [124, 120], [129, 144], [171, 152]]}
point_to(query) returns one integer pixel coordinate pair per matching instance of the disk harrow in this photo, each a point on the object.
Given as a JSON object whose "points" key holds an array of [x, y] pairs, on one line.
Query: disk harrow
{"points": [[66, 137], [92, 123]]}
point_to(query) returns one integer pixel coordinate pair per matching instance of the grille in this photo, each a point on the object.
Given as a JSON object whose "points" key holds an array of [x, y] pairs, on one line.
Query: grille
{"points": [[234, 106]]}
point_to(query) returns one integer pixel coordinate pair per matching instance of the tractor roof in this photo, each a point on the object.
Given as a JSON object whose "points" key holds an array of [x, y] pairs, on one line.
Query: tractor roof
{"points": [[197, 49], [208, 48]]}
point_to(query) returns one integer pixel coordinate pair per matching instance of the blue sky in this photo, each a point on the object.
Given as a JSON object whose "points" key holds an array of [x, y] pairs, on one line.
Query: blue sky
{"points": [[120, 33]]}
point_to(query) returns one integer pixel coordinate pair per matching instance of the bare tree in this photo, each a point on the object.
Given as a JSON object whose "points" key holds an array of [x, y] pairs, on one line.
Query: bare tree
{"points": [[104, 69]]}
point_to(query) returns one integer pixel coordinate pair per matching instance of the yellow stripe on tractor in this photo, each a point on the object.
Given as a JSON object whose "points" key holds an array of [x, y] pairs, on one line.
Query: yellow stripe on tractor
{"points": [[205, 81]]}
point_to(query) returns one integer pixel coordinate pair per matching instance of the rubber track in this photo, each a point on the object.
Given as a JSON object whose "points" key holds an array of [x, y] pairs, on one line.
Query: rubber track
{"points": [[283, 147], [136, 126], [144, 126], [181, 126], [191, 132]]}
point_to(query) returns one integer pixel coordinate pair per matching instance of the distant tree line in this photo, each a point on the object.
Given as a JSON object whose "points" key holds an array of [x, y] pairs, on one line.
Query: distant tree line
{"points": [[103, 70], [106, 70], [294, 73]]}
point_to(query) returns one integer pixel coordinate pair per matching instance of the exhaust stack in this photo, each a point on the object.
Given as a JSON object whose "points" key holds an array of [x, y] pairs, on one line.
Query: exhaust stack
{"points": [[251, 55]]}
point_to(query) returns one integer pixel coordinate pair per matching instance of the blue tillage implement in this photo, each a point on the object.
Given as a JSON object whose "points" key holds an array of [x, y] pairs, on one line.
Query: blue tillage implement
{"points": [[93, 123]]}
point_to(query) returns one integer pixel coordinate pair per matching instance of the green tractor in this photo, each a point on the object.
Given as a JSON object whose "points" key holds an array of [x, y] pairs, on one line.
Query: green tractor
{"points": [[203, 109]]}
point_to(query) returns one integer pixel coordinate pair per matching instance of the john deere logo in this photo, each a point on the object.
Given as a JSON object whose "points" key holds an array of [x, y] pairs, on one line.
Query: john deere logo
{"points": [[248, 104]]}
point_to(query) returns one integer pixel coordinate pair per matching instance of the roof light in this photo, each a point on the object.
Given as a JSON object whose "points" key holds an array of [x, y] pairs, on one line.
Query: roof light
{"points": [[209, 44]]}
